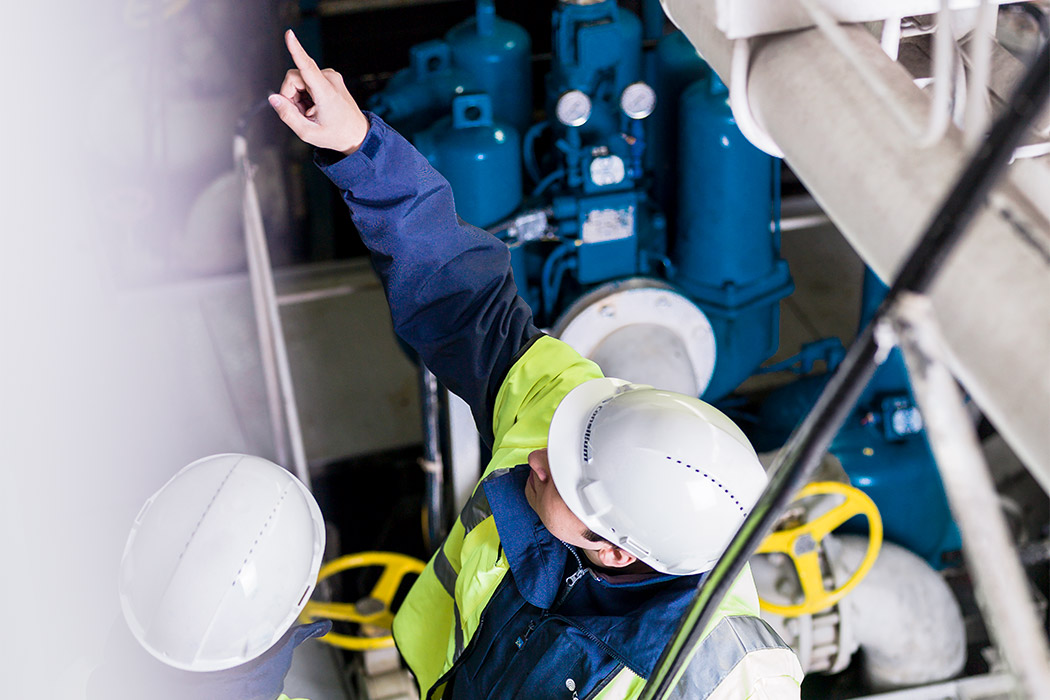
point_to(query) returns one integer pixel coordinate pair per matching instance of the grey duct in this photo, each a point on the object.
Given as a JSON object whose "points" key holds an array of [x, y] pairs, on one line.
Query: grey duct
{"points": [[992, 300]]}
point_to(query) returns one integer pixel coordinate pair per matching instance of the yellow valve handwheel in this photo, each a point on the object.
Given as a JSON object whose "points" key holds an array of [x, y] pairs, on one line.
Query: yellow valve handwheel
{"points": [[374, 610], [801, 544]]}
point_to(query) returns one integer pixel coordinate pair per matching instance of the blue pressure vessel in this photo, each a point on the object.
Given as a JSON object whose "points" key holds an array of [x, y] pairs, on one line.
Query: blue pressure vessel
{"points": [[480, 158], [726, 190], [414, 97], [725, 253], [498, 54], [677, 66]]}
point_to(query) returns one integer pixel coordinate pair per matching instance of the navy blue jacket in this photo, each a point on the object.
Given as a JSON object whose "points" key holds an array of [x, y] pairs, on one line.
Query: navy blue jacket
{"points": [[451, 293]]}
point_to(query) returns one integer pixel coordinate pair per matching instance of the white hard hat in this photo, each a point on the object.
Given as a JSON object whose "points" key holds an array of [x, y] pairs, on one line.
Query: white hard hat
{"points": [[661, 475], [220, 561]]}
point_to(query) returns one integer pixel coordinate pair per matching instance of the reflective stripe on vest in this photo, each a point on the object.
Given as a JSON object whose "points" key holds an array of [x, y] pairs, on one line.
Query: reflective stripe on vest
{"points": [[474, 512], [446, 574], [732, 639], [477, 507]]}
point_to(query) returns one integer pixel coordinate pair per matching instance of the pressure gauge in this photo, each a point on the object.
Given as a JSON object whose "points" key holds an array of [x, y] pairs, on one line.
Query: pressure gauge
{"points": [[638, 100], [608, 170], [573, 108]]}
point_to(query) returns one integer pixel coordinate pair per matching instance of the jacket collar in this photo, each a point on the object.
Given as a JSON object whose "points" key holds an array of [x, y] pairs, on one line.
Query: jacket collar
{"points": [[536, 557], [632, 614]]}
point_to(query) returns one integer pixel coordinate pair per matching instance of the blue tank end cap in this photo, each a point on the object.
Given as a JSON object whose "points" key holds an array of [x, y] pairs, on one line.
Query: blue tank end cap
{"points": [[429, 57], [471, 110]]}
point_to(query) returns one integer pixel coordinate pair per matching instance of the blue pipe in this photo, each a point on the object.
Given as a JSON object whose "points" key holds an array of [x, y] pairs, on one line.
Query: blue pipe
{"points": [[529, 149], [552, 287]]}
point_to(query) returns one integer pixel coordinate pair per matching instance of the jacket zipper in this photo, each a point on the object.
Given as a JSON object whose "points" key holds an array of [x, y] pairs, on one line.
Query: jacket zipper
{"points": [[575, 576], [570, 581]]}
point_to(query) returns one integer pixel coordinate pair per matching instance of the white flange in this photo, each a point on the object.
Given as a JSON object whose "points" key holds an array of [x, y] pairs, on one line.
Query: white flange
{"points": [[644, 331]]}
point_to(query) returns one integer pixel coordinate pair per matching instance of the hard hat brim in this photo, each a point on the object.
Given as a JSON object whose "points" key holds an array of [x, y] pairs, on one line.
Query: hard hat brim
{"points": [[565, 442]]}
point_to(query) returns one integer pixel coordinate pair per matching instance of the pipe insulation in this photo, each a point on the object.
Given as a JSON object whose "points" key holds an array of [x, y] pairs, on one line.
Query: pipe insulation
{"points": [[904, 616], [992, 298]]}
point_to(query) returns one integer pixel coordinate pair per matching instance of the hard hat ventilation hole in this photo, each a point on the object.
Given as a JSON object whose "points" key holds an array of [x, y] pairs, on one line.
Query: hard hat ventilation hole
{"points": [[276, 507], [714, 481], [206, 509], [587, 432]]}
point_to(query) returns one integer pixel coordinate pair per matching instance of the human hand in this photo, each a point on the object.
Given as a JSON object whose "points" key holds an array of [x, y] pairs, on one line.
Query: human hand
{"points": [[316, 105]]}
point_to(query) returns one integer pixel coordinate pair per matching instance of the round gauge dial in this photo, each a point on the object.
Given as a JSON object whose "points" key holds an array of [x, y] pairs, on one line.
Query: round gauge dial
{"points": [[638, 100], [573, 108], [608, 170]]}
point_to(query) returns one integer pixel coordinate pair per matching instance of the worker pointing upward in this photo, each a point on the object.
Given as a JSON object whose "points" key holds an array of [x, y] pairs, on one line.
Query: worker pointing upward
{"points": [[605, 502]]}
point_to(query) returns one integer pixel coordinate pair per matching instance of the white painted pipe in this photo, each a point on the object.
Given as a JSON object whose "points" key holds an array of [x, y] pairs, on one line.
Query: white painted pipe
{"points": [[992, 299], [904, 617]]}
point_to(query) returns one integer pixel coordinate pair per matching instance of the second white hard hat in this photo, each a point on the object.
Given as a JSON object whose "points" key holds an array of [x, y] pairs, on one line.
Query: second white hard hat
{"points": [[664, 476], [220, 561]]}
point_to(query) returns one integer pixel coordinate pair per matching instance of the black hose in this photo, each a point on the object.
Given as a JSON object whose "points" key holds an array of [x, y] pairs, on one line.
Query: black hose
{"points": [[810, 440]]}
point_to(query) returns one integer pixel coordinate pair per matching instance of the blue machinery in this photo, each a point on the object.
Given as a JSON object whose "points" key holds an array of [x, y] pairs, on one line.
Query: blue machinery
{"points": [[636, 213]]}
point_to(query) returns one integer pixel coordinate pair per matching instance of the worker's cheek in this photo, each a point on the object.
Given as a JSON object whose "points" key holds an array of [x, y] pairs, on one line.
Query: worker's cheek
{"points": [[557, 517]]}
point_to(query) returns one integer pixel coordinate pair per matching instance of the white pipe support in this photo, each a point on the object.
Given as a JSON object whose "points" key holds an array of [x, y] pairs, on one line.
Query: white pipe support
{"points": [[938, 115], [978, 106], [891, 37], [1000, 582], [992, 298]]}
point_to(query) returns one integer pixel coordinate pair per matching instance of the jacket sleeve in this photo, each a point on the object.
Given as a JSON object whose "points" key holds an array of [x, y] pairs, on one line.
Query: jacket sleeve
{"points": [[451, 294]]}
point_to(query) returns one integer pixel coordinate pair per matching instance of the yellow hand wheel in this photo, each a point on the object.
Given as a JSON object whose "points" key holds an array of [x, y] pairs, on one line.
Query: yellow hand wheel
{"points": [[373, 610], [801, 544]]}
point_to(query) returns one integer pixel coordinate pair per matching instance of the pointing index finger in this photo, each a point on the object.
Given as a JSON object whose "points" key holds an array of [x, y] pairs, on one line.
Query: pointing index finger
{"points": [[311, 74]]}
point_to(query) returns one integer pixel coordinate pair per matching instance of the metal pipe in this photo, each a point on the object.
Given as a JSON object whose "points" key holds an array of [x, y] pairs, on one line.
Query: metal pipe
{"points": [[810, 440], [939, 113], [995, 566], [880, 191], [335, 8], [269, 313], [433, 466], [262, 320], [989, 685]]}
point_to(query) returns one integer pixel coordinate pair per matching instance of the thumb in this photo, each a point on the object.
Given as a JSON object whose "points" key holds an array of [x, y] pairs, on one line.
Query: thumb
{"points": [[290, 115]]}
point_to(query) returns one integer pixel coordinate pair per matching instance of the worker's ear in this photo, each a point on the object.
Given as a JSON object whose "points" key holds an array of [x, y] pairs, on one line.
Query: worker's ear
{"points": [[613, 557]]}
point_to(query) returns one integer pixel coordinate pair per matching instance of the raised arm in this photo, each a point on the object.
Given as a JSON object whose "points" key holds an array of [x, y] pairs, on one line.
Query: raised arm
{"points": [[449, 286]]}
